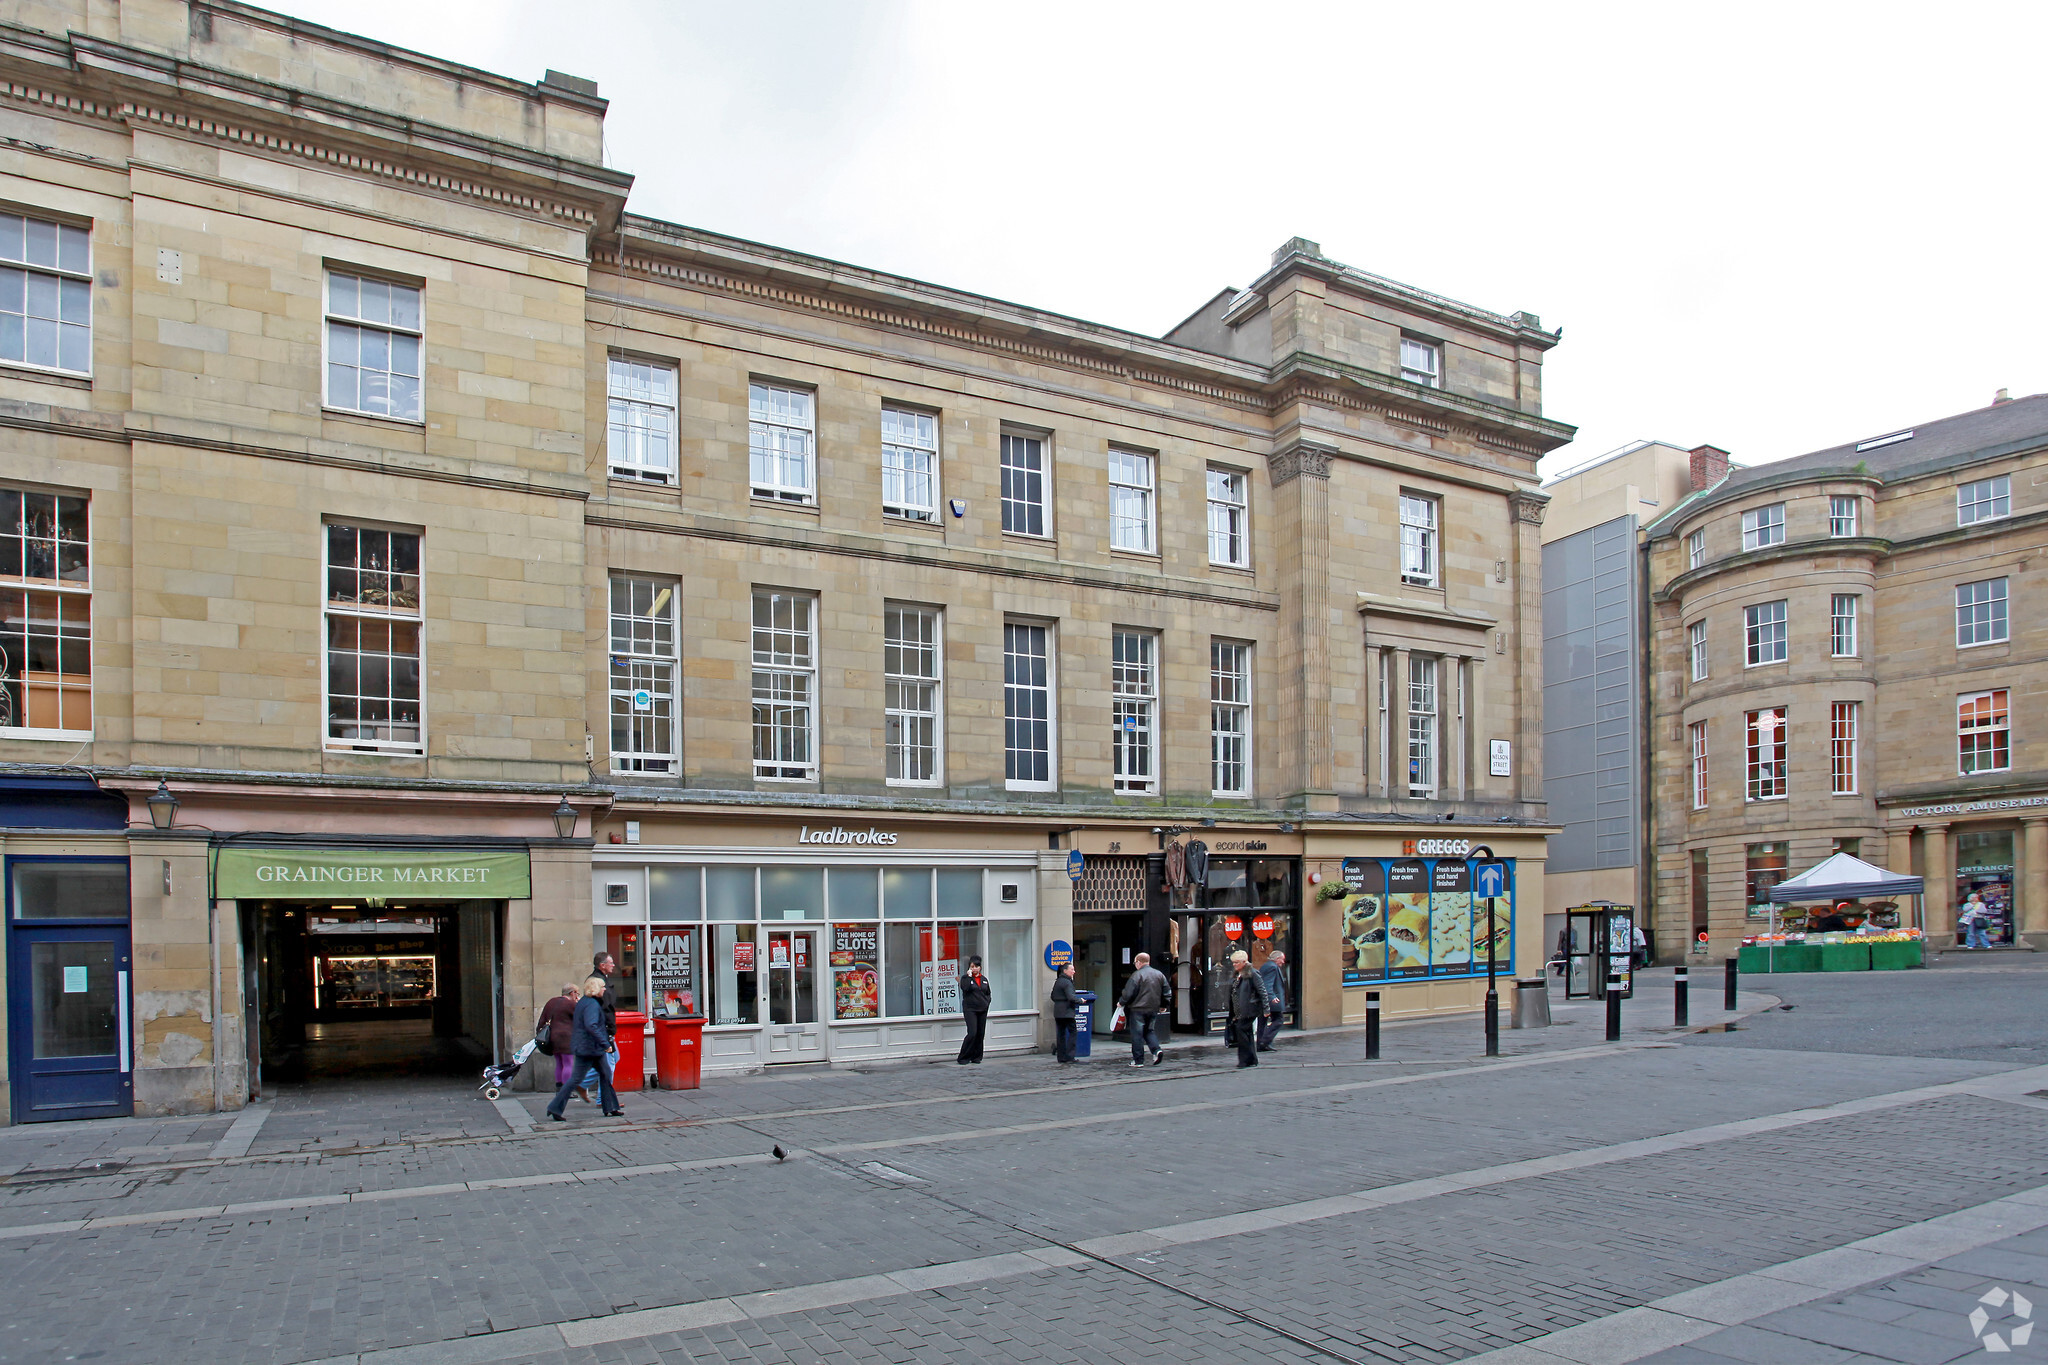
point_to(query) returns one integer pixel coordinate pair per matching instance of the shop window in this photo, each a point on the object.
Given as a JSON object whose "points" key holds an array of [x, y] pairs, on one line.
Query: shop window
{"points": [[643, 675], [729, 893], [641, 420], [856, 965], [735, 976], [71, 889], [45, 614], [907, 893], [1983, 732], [1984, 870], [373, 641], [1008, 965], [673, 985], [45, 294], [855, 892], [1765, 739], [1134, 711], [1763, 867], [622, 941], [792, 893]]}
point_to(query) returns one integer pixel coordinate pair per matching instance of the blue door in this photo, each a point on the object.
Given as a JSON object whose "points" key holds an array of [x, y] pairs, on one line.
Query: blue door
{"points": [[69, 973]]}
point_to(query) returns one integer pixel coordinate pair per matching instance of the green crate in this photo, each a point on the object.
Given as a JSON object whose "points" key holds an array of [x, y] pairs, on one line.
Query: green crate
{"points": [[1845, 957], [1786, 957], [1894, 957]]}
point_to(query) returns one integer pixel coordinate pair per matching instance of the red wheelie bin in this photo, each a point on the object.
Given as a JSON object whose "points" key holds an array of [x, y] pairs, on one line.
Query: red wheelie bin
{"points": [[679, 1052], [631, 1072]]}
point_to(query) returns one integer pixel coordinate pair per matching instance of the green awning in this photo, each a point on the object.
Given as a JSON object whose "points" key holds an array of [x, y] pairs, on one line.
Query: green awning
{"points": [[361, 873]]}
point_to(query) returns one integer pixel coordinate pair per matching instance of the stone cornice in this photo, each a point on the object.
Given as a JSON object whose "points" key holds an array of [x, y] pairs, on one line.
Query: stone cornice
{"points": [[1876, 547], [1418, 405], [107, 82], [1374, 604], [1514, 328]]}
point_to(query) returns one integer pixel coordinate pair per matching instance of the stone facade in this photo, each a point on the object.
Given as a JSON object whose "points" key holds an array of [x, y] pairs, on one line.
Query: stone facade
{"points": [[1953, 502], [229, 165]]}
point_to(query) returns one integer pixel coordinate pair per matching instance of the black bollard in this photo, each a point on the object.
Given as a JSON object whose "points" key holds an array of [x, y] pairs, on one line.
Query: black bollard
{"points": [[1728, 988], [1492, 1020], [1372, 1026], [1681, 1005], [1614, 1007]]}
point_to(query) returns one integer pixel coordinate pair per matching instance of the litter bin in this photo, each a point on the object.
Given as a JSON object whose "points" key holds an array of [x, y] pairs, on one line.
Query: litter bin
{"points": [[1084, 1022], [631, 1071], [679, 1052], [1531, 1008]]}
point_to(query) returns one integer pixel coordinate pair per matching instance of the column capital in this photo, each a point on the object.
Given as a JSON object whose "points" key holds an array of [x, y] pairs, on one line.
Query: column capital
{"points": [[1301, 458], [1528, 505]]}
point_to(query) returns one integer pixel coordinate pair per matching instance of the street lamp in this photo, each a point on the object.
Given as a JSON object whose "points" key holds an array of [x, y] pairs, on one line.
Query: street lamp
{"points": [[163, 807], [565, 819]]}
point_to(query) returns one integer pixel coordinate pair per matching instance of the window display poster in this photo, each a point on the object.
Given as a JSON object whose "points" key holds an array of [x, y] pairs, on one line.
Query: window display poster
{"points": [[672, 968], [743, 957], [856, 984], [939, 969], [1407, 911], [1450, 918], [1365, 928]]}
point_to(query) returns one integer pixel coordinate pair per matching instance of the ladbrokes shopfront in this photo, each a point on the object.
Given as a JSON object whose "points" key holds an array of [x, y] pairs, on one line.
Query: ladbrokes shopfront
{"points": [[821, 942]]}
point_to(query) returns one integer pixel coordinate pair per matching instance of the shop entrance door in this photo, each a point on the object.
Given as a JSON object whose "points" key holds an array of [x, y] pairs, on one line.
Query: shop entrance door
{"points": [[67, 1022], [794, 1033], [1202, 974]]}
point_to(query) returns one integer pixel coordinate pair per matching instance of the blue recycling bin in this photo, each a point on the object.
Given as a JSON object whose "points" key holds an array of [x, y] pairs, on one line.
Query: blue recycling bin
{"points": [[1084, 1023]]}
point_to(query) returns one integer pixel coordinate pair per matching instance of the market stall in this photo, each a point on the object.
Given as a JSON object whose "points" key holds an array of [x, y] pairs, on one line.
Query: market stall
{"points": [[1854, 925]]}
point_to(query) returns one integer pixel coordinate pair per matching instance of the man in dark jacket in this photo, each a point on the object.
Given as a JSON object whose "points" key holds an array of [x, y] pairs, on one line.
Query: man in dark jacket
{"points": [[1063, 1009], [601, 965], [1248, 1007], [590, 1040], [1273, 973], [1143, 998], [975, 994]]}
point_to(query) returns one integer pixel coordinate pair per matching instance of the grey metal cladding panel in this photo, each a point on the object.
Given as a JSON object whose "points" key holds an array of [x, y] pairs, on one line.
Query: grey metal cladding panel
{"points": [[1591, 708]]}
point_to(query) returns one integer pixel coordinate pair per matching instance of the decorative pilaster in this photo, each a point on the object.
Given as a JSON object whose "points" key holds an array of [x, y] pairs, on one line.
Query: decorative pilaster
{"points": [[2032, 911], [1939, 874], [1525, 515], [1301, 493]]}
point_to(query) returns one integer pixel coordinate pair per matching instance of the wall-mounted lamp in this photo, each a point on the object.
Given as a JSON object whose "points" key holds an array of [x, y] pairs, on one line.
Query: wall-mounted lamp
{"points": [[565, 820], [163, 807]]}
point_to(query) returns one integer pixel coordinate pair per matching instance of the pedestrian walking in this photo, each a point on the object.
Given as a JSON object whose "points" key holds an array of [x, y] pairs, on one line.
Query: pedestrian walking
{"points": [[589, 1040], [558, 1017], [1974, 918], [601, 964], [1273, 972], [975, 994], [1064, 1006], [1639, 948], [1248, 1005], [1144, 996]]}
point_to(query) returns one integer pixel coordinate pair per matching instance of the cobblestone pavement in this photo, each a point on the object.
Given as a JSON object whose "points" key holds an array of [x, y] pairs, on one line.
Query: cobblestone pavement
{"points": [[1432, 1206]]}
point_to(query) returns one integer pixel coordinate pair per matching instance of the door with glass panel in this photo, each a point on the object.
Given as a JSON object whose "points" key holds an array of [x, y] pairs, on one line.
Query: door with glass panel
{"points": [[795, 1033], [69, 965]]}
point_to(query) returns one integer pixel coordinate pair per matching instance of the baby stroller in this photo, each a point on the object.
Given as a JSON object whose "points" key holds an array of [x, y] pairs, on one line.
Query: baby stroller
{"points": [[496, 1078]]}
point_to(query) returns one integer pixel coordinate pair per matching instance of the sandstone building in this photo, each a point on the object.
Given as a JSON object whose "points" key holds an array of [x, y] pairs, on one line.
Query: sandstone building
{"points": [[1848, 655], [420, 571]]}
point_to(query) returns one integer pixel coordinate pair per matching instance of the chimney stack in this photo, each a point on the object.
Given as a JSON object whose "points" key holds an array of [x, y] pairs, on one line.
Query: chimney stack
{"points": [[1709, 466], [2003, 397]]}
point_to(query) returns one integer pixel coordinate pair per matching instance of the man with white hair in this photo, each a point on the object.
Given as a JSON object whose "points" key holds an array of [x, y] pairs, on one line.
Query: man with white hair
{"points": [[1248, 1009]]}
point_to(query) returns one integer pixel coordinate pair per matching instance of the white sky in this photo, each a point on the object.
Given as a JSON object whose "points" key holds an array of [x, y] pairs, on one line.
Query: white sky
{"points": [[1773, 228]]}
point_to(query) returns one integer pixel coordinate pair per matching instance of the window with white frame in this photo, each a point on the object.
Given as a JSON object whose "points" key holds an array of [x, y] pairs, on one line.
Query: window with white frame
{"points": [[785, 686], [779, 442], [1421, 362], [1696, 649], [1027, 707], [1842, 625], [1130, 501], [45, 614], [1422, 726], [1984, 500], [1841, 516], [45, 294], [1981, 613], [1023, 470], [643, 675], [1230, 532], [1230, 718], [910, 464], [640, 440], [1763, 630], [1983, 732], [373, 346], [1134, 710], [373, 640], [1766, 744], [1418, 539], [1696, 549], [910, 706], [1698, 734], [1763, 526], [1842, 719]]}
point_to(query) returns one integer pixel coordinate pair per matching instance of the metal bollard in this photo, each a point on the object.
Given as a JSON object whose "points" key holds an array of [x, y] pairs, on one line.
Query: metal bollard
{"points": [[1681, 1006], [1614, 1007], [1492, 1019], [1728, 988], [1372, 1026]]}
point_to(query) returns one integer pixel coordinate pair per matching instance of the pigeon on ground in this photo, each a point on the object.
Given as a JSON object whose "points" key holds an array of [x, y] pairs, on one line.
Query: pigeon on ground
{"points": [[780, 1155]]}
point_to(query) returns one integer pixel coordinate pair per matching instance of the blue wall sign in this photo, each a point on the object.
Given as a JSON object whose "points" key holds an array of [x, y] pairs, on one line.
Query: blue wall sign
{"points": [[1074, 864], [1058, 954]]}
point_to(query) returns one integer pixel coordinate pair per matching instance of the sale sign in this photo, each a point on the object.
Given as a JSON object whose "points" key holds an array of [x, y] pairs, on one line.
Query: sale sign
{"points": [[1262, 926], [1233, 928]]}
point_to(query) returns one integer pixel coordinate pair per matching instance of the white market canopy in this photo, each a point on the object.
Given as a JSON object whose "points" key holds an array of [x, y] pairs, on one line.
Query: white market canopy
{"points": [[1844, 877]]}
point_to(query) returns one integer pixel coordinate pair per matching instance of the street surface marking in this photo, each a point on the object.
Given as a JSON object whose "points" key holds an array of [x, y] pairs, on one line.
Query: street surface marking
{"points": [[241, 1134], [1824, 1273], [515, 1115]]}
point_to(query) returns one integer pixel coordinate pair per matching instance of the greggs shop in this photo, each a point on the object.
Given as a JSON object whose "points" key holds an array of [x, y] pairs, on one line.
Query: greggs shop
{"points": [[821, 941]]}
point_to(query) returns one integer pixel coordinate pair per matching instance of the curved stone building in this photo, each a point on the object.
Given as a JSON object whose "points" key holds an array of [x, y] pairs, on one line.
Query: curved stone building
{"points": [[1847, 653]]}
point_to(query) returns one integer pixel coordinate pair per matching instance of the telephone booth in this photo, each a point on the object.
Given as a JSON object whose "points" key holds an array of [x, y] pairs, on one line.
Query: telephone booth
{"points": [[1599, 938]]}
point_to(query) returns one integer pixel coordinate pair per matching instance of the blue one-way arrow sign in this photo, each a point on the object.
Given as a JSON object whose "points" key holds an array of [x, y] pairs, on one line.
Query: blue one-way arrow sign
{"points": [[1490, 880]]}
